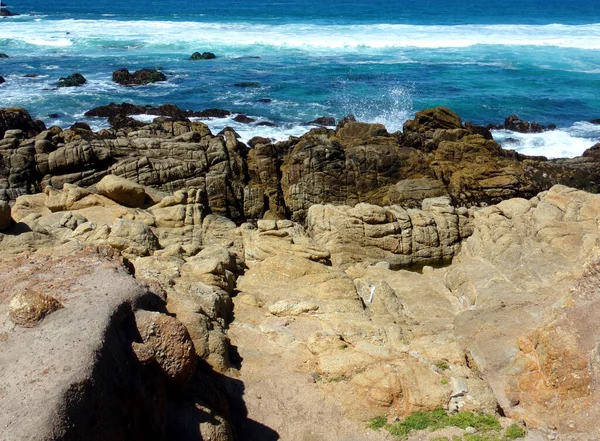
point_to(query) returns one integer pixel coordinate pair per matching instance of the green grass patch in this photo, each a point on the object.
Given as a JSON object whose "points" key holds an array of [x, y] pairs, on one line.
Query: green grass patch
{"points": [[378, 423], [487, 426], [514, 431], [442, 365]]}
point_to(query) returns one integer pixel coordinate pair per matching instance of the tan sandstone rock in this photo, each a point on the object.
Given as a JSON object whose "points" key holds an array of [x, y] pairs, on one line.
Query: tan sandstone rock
{"points": [[121, 190]]}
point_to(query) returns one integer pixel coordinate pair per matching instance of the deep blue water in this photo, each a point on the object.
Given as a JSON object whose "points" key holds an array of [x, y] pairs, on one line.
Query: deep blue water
{"points": [[380, 60]]}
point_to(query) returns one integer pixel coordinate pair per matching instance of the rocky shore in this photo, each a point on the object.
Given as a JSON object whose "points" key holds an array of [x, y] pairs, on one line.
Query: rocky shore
{"points": [[164, 282]]}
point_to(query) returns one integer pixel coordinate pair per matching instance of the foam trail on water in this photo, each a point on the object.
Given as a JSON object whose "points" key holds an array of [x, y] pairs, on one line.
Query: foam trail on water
{"points": [[165, 33]]}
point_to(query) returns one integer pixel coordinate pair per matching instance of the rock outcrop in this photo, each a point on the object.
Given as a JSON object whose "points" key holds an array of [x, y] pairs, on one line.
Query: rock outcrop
{"points": [[139, 77], [516, 124], [69, 363], [202, 56], [359, 269], [74, 80]]}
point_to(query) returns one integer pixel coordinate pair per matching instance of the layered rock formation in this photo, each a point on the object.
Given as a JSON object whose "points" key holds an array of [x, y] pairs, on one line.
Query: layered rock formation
{"points": [[434, 156]]}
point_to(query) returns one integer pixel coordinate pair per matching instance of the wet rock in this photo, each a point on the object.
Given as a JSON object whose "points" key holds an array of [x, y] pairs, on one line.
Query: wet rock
{"points": [[140, 77], [3, 55], [74, 80], [202, 56], [247, 84], [2, 80], [324, 121], [213, 113], [244, 119], [516, 124], [81, 126]]}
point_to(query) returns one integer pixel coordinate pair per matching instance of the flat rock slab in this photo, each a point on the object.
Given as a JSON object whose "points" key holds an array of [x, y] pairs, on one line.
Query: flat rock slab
{"points": [[43, 367]]}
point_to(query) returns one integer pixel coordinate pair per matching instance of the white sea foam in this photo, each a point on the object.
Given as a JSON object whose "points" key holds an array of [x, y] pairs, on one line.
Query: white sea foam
{"points": [[561, 143], [193, 34], [246, 131]]}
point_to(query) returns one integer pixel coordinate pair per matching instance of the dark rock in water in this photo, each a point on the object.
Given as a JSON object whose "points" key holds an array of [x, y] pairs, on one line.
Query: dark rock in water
{"points": [[30, 75], [81, 126], [53, 115], [2, 80], [6, 13], [128, 109], [595, 121], [119, 122], [3, 55], [140, 77], [479, 130], [16, 118], [230, 130], [516, 124], [593, 151], [511, 140], [212, 113], [324, 121], [266, 124], [202, 56], [247, 84], [264, 100], [74, 80], [243, 119]]}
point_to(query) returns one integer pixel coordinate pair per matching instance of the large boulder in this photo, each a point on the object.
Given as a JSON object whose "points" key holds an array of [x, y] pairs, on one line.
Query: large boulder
{"points": [[16, 118], [121, 190], [58, 376]]}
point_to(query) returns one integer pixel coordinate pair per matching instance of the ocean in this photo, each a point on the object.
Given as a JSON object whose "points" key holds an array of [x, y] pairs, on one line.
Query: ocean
{"points": [[381, 60]]}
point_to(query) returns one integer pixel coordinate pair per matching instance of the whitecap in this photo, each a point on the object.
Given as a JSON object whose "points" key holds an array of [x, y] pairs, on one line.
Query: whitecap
{"points": [[561, 143]]}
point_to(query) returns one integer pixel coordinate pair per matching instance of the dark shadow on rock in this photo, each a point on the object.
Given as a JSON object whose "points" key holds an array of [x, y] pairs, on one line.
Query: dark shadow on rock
{"points": [[213, 401]]}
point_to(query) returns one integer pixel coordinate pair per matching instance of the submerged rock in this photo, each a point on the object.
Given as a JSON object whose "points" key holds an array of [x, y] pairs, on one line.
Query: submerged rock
{"points": [[247, 84]]}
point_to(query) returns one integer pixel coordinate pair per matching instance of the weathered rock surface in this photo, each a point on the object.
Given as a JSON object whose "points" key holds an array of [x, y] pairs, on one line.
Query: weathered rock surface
{"points": [[402, 237], [356, 163], [326, 310], [121, 190], [76, 368]]}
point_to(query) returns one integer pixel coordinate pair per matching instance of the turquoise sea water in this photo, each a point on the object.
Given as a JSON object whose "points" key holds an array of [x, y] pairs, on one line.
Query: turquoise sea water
{"points": [[380, 60]]}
